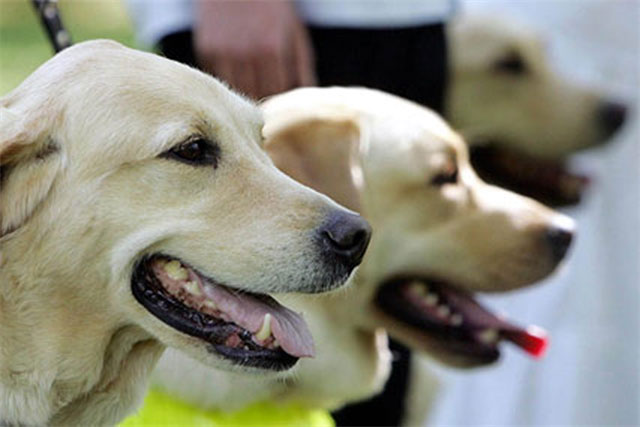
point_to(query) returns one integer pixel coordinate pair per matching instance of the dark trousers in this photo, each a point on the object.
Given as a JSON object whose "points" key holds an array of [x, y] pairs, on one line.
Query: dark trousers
{"points": [[408, 62]]}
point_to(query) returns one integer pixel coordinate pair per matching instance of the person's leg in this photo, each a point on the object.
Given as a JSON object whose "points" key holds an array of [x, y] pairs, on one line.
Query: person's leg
{"points": [[179, 47], [411, 63], [429, 80], [408, 62]]}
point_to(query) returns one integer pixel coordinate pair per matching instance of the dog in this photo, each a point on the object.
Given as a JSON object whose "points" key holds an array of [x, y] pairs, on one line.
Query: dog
{"points": [[441, 235], [138, 210], [522, 119]]}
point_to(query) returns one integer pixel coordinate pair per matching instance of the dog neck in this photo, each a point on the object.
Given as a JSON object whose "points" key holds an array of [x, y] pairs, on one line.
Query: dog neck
{"points": [[355, 353], [62, 357], [128, 360]]}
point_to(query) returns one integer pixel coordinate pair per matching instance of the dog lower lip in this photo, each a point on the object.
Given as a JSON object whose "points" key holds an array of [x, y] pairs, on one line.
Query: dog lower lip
{"points": [[223, 337]]}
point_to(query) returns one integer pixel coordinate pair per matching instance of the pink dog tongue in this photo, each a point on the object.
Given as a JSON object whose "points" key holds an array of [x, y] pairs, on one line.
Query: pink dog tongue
{"points": [[249, 312], [533, 339]]}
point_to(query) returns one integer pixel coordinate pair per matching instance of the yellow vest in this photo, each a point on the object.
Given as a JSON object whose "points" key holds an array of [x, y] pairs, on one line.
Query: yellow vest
{"points": [[160, 409]]}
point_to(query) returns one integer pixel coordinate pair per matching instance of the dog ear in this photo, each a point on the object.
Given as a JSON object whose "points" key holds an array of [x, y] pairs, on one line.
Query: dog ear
{"points": [[28, 166], [320, 153]]}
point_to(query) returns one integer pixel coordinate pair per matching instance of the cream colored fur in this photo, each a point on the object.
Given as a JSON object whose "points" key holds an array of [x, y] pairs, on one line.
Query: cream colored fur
{"points": [[84, 195], [378, 154], [538, 112]]}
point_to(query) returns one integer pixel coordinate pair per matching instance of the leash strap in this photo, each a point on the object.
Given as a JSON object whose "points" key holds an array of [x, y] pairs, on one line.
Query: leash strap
{"points": [[50, 18]]}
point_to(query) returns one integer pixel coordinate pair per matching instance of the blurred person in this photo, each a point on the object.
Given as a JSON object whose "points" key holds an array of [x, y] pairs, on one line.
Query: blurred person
{"points": [[590, 375], [266, 47]]}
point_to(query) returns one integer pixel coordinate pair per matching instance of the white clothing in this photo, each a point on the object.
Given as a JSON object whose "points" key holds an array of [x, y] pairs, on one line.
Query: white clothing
{"points": [[155, 19], [373, 13]]}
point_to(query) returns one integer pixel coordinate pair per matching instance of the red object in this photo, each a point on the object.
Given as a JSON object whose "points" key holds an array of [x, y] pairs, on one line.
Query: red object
{"points": [[533, 340]]}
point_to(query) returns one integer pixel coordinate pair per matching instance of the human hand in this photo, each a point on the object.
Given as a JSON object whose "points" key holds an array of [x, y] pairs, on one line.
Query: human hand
{"points": [[259, 47]]}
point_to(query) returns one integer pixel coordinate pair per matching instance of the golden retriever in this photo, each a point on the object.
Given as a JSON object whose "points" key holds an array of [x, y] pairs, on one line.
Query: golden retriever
{"points": [[138, 210], [522, 118], [440, 235]]}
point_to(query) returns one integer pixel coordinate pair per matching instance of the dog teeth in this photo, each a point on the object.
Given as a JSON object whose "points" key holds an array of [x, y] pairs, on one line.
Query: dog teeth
{"points": [[443, 311], [265, 330], [489, 336], [430, 299], [275, 343], [175, 270], [210, 304], [193, 288], [456, 319], [418, 288]]}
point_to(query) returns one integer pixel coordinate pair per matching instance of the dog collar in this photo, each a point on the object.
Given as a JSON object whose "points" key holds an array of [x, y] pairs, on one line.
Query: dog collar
{"points": [[160, 409]]}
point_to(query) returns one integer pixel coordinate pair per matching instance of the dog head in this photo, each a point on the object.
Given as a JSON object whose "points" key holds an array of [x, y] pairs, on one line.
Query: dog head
{"points": [[522, 118], [135, 191], [441, 233]]}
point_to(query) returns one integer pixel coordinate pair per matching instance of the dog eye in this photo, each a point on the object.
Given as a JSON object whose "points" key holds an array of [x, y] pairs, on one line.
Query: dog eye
{"points": [[450, 176], [195, 151], [511, 64]]}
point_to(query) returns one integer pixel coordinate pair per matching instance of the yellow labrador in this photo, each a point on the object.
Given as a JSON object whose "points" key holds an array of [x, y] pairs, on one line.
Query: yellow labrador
{"points": [[441, 235], [521, 117], [138, 210]]}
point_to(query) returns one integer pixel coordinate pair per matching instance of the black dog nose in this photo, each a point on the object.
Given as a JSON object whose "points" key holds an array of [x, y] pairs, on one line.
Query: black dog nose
{"points": [[559, 240], [347, 235], [611, 116]]}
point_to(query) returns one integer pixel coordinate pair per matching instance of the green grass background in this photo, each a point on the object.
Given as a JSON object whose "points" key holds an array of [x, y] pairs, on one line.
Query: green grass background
{"points": [[23, 42]]}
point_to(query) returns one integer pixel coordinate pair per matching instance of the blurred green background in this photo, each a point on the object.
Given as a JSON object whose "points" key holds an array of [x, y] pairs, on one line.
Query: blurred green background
{"points": [[24, 44]]}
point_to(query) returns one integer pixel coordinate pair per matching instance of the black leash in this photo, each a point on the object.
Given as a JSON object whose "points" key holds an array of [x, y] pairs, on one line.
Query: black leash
{"points": [[50, 18]]}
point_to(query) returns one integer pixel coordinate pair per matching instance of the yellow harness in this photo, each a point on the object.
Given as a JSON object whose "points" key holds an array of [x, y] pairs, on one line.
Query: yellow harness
{"points": [[160, 409]]}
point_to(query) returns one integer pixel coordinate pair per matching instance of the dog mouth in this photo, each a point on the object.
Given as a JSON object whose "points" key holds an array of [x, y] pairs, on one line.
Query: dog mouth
{"points": [[454, 321], [248, 329], [547, 181]]}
